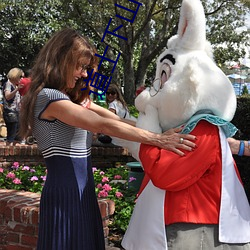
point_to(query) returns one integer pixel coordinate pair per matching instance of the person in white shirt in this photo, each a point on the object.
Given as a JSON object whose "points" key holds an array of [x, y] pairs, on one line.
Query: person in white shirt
{"points": [[116, 102]]}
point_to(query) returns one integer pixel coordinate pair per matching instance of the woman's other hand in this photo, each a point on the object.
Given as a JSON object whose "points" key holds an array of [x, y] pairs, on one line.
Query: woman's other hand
{"points": [[176, 142]]}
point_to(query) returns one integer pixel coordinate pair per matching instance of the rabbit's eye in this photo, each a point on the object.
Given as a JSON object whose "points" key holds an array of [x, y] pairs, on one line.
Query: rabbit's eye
{"points": [[158, 83], [165, 73]]}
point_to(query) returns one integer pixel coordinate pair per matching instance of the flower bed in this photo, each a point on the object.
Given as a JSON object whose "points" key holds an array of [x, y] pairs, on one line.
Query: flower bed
{"points": [[25, 178], [111, 184]]}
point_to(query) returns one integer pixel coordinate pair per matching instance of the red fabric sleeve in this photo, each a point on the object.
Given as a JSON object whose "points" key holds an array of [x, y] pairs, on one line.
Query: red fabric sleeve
{"points": [[26, 85], [172, 172]]}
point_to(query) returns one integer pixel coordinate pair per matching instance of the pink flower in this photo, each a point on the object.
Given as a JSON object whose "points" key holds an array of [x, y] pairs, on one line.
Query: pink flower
{"points": [[11, 175], [131, 179], [15, 165], [102, 173], [1, 170], [117, 177], [99, 186], [118, 194], [102, 193], [105, 179], [107, 187], [94, 170], [32, 170], [43, 178], [17, 181], [26, 168], [34, 178]]}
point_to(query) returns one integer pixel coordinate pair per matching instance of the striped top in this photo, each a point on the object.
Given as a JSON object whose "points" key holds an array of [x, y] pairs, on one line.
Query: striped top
{"points": [[55, 137]]}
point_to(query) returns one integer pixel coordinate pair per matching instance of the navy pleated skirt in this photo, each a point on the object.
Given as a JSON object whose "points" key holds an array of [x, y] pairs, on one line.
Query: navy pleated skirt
{"points": [[69, 213]]}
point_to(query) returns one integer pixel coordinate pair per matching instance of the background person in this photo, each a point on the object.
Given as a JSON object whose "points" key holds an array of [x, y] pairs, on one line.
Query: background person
{"points": [[25, 82], [118, 106], [69, 212], [239, 147], [116, 102], [11, 104]]}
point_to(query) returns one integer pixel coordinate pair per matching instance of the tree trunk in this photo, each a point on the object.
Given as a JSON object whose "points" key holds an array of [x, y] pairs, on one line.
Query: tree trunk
{"points": [[129, 79], [141, 73], [116, 78]]}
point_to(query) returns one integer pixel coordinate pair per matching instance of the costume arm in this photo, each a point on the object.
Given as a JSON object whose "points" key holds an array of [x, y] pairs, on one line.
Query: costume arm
{"points": [[171, 172]]}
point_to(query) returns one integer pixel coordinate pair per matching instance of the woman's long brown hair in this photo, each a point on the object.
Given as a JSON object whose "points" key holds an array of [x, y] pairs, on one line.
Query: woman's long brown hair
{"points": [[54, 68]]}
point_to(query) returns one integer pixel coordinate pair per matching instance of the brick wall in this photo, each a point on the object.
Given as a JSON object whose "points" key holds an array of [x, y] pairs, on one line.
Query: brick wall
{"points": [[19, 217], [102, 155]]}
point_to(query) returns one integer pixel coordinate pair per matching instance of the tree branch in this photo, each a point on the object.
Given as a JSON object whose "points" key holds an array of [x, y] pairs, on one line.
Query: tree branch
{"points": [[94, 30], [145, 22]]}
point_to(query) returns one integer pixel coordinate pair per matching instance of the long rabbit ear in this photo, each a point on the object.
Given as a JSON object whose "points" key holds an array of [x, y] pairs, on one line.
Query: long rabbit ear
{"points": [[192, 26]]}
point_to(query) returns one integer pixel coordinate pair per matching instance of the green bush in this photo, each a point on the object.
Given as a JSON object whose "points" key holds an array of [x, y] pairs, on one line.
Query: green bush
{"points": [[113, 184]]}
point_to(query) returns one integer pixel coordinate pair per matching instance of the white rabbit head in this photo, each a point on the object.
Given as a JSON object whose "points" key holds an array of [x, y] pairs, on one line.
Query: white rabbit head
{"points": [[187, 79]]}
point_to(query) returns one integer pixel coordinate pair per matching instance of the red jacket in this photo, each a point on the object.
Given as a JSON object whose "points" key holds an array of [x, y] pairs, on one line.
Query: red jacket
{"points": [[193, 182]]}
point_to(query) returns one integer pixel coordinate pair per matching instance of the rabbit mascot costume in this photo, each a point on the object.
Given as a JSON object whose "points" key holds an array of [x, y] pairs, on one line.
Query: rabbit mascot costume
{"points": [[196, 201]]}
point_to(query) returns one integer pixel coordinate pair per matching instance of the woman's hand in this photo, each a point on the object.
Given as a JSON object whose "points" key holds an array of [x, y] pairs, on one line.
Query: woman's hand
{"points": [[173, 141]]}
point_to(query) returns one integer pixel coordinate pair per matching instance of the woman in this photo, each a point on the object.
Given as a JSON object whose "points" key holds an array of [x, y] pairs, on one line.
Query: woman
{"points": [[118, 106], [11, 104], [69, 212], [116, 102]]}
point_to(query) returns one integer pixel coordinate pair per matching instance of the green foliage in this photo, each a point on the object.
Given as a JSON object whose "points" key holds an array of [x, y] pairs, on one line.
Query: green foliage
{"points": [[246, 3], [101, 103], [26, 25], [133, 111], [110, 184], [113, 184], [24, 178], [244, 90]]}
